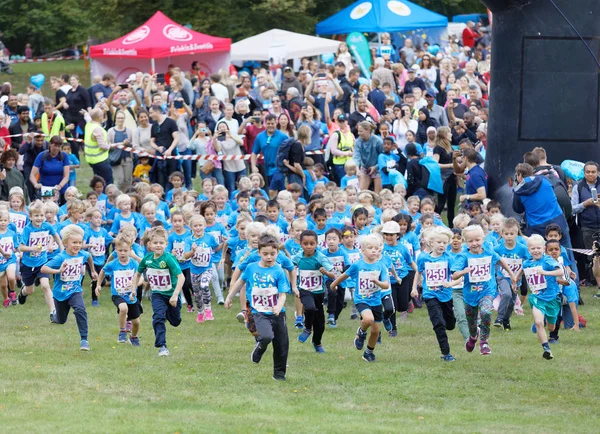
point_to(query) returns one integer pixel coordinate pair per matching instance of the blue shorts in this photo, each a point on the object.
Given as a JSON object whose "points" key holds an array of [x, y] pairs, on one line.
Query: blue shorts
{"points": [[377, 311], [277, 182], [28, 274], [550, 309], [4, 266]]}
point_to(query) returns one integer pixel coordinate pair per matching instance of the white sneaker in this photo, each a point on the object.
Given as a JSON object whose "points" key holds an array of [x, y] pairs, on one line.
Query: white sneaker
{"points": [[163, 352]]}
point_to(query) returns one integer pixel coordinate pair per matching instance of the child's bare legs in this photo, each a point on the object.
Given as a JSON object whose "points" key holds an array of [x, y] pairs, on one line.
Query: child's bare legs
{"points": [[573, 309], [135, 327], [11, 276], [298, 306], [123, 311], [4, 288], [538, 318], [368, 321], [45, 285], [374, 335]]}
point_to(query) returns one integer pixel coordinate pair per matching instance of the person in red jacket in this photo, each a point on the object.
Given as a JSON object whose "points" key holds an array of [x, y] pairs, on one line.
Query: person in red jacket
{"points": [[469, 35]]}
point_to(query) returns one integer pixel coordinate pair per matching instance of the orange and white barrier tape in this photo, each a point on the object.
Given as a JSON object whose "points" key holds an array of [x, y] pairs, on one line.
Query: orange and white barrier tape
{"points": [[45, 59]]}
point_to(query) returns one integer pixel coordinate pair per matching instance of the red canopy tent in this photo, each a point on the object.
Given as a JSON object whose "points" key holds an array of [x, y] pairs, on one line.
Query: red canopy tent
{"points": [[157, 43]]}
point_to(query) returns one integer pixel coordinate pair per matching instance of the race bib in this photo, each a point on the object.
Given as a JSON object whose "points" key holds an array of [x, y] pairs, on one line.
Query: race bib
{"points": [[97, 246], [216, 236], [178, 250], [101, 206], [264, 299], [201, 257], [354, 257], [535, 280], [7, 246], [19, 220], [73, 270], [515, 266], [159, 280], [221, 219], [354, 183], [366, 287], [338, 265], [122, 280], [390, 164], [409, 246], [436, 273], [321, 240], [39, 240], [311, 280], [480, 269]]}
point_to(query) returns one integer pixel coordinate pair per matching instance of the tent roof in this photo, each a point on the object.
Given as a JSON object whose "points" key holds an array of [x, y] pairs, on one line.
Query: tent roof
{"points": [[160, 37], [293, 45], [380, 16]]}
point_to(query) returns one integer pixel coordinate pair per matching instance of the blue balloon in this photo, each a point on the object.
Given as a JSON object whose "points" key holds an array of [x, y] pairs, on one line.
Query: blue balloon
{"points": [[433, 49], [328, 58], [37, 80], [573, 169]]}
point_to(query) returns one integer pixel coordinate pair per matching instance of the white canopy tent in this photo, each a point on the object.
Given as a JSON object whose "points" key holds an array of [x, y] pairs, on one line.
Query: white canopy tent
{"points": [[281, 44]]}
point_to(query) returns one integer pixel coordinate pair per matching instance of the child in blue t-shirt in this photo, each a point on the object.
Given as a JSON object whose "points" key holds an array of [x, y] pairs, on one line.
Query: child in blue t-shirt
{"points": [[68, 268], [541, 272], [340, 262], [73, 163], [514, 254], [369, 276], [121, 272], [266, 288], [292, 247], [478, 268], [201, 248], [35, 240], [350, 179], [570, 294], [349, 247], [9, 243], [411, 241], [176, 245], [312, 266], [219, 233], [454, 249], [123, 204], [96, 240], [434, 268]]}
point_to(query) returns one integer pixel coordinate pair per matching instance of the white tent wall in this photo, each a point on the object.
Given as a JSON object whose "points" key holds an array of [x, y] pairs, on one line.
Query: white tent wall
{"points": [[121, 68], [281, 43]]}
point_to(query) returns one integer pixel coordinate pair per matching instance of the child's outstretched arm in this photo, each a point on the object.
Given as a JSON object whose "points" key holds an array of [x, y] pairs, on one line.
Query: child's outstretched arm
{"points": [[415, 291], [90, 263], [99, 279], [178, 288], [513, 278], [329, 274], [47, 270], [235, 287], [280, 303], [337, 281]]}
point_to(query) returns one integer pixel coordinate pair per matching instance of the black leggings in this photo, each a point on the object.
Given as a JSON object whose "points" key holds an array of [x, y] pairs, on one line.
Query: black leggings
{"points": [[448, 196], [187, 287], [95, 283], [314, 317]]}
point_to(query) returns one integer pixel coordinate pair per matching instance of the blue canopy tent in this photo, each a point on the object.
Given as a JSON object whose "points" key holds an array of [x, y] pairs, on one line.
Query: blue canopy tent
{"points": [[377, 16]]}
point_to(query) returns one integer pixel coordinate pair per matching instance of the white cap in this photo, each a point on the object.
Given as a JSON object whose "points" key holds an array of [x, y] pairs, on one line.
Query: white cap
{"points": [[132, 77], [390, 227]]}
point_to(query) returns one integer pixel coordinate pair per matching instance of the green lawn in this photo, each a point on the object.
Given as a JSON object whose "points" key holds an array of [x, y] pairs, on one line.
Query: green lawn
{"points": [[209, 384], [24, 71]]}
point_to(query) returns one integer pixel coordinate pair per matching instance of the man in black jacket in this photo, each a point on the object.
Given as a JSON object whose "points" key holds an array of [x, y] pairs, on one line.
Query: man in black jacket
{"points": [[21, 126]]}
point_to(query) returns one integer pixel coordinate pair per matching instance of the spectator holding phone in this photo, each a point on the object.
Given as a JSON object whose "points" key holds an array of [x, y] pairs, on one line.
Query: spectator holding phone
{"points": [[201, 143], [122, 92], [403, 124], [227, 143]]}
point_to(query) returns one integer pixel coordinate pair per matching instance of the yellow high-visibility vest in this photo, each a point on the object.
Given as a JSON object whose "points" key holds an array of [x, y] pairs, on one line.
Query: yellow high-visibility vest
{"points": [[94, 154], [58, 124]]}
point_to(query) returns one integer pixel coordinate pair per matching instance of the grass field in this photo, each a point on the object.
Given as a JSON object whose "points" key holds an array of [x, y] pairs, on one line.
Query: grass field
{"points": [[208, 384]]}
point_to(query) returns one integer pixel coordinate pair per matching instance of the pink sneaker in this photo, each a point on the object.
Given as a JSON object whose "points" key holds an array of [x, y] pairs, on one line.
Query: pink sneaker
{"points": [[13, 297], [485, 349], [470, 344], [209, 315], [128, 326], [200, 317], [190, 308], [6, 303]]}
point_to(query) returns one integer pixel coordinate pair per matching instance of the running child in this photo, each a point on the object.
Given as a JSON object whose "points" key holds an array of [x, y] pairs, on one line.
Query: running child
{"points": [[434, 268], [121, 271], [340, 262], [266, 288], [34, 245], [176, 246], [541, 272], [570, 295], [312, 266], [455, 249], [96, 240], [68, 268], [9, 243], [166, 280], [369, 276], [478, 267]]}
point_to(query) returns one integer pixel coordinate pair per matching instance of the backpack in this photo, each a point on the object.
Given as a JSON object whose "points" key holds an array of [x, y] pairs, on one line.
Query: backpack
{"points": [[283, 153], [560, 189]]}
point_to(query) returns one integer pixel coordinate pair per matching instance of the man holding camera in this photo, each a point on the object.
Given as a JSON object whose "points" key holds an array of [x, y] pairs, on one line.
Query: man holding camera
{"points": [[584, 200]]}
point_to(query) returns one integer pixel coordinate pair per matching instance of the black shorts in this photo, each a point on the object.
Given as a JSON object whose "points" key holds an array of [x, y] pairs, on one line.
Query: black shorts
{"points": [[28, 275], [133, 310], [376, 310]]}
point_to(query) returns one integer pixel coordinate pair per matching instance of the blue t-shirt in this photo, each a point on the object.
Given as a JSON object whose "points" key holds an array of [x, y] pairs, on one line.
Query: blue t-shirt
{"points": [[263, 286], [219, 233], [99, 241], [68, 282], [309, 277], [19, 219], [435, 272], [476, 178], [176, 246], [204, 254], [400, 259], [282, 260], [73, 161], [349, 180], [268, 146], [545, 288], [9, 242], [340, 261], [121, 278], [360, 274], [513, 257], [387, 161], [169, 195], [480, 281], [292, 247], [236, 245], [52, 169], [36, 237], [120, 221], [411, 242]]}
